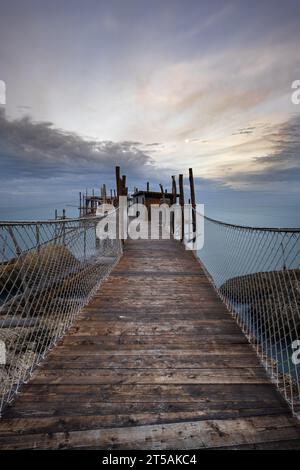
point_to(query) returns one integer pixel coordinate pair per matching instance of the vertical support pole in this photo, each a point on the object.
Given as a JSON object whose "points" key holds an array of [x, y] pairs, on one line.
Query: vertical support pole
{"points": [[148, 187], [174, 189], [37, 235], [64, 226], [118, 182], [193, 199], [16, 245], [174, 200], [121, 211], [80, 197], [123, 185], [55, 226], [181, 203], [84, 242]]}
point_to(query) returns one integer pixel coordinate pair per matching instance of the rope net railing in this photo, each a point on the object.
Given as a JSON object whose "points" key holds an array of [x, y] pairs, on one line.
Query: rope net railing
{"points": [[256, 273], [48, 272]]}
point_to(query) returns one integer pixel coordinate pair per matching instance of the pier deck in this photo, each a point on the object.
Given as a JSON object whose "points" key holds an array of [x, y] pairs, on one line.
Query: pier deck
{"points": [[154, 361]]}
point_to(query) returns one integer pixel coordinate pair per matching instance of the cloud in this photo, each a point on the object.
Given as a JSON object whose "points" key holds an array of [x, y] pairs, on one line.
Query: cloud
{"points": [[280, 166], [38, 149], [245, 131]]}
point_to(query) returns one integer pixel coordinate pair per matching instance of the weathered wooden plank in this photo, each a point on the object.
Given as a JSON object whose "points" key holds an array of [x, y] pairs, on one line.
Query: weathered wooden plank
{"points": [[84, 343], [153, 361], [156, 376], [147, 329], [207, 350], [188, 435], [120, 417], [132, 393]]}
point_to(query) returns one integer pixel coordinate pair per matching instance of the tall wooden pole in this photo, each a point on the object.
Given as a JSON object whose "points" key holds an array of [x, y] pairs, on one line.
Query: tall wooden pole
{"points": [[193, 199], [174, 200], [123, 185], [181, 202], [118, 182], [162, 193], [174, 189]]}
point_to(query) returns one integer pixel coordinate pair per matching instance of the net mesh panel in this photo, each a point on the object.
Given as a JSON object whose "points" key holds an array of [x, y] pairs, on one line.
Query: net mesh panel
{"points": [[48, 272], [256, 273]]}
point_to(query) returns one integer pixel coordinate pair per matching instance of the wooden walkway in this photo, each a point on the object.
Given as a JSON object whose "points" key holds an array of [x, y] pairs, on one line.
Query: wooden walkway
{"points": [[154, 361]]}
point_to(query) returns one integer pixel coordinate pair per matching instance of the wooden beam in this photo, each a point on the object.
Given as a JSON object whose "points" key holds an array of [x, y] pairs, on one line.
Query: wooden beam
{"points": [[118, 182], [162, 192], [181, 202], [123, 185], [174, 189], [193, 198]]}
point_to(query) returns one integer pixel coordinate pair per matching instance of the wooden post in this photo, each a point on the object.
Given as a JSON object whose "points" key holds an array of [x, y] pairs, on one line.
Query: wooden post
{"points": [[118, 182], [37, 234], [148, 187], [162, 192], [174, 200], [123, 185], [193, 199], [181, 202], [174, 189], [84, 242], [16, 245], [64, 227]]}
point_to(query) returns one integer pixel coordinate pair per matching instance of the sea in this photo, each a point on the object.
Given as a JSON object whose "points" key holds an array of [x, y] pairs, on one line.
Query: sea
{"points": [[255, 215]]}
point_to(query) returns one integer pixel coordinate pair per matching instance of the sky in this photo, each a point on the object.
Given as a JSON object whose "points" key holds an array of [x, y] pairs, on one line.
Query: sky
{"points": [[155, 86]]}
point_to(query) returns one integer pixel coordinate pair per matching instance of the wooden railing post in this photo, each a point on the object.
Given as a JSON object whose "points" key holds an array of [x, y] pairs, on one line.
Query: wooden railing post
{"points": [[118, 182], [193, 199], [181, 202], [174, 200]]}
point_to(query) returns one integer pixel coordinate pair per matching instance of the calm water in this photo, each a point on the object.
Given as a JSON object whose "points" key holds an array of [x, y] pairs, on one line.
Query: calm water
{"points": [[44, 211], [243, 214], [257, 215]]}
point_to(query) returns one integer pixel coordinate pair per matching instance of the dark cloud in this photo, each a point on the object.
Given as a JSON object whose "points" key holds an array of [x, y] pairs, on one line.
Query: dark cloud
{"points": [[282, 165], [38, 149], [245, 130]]}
